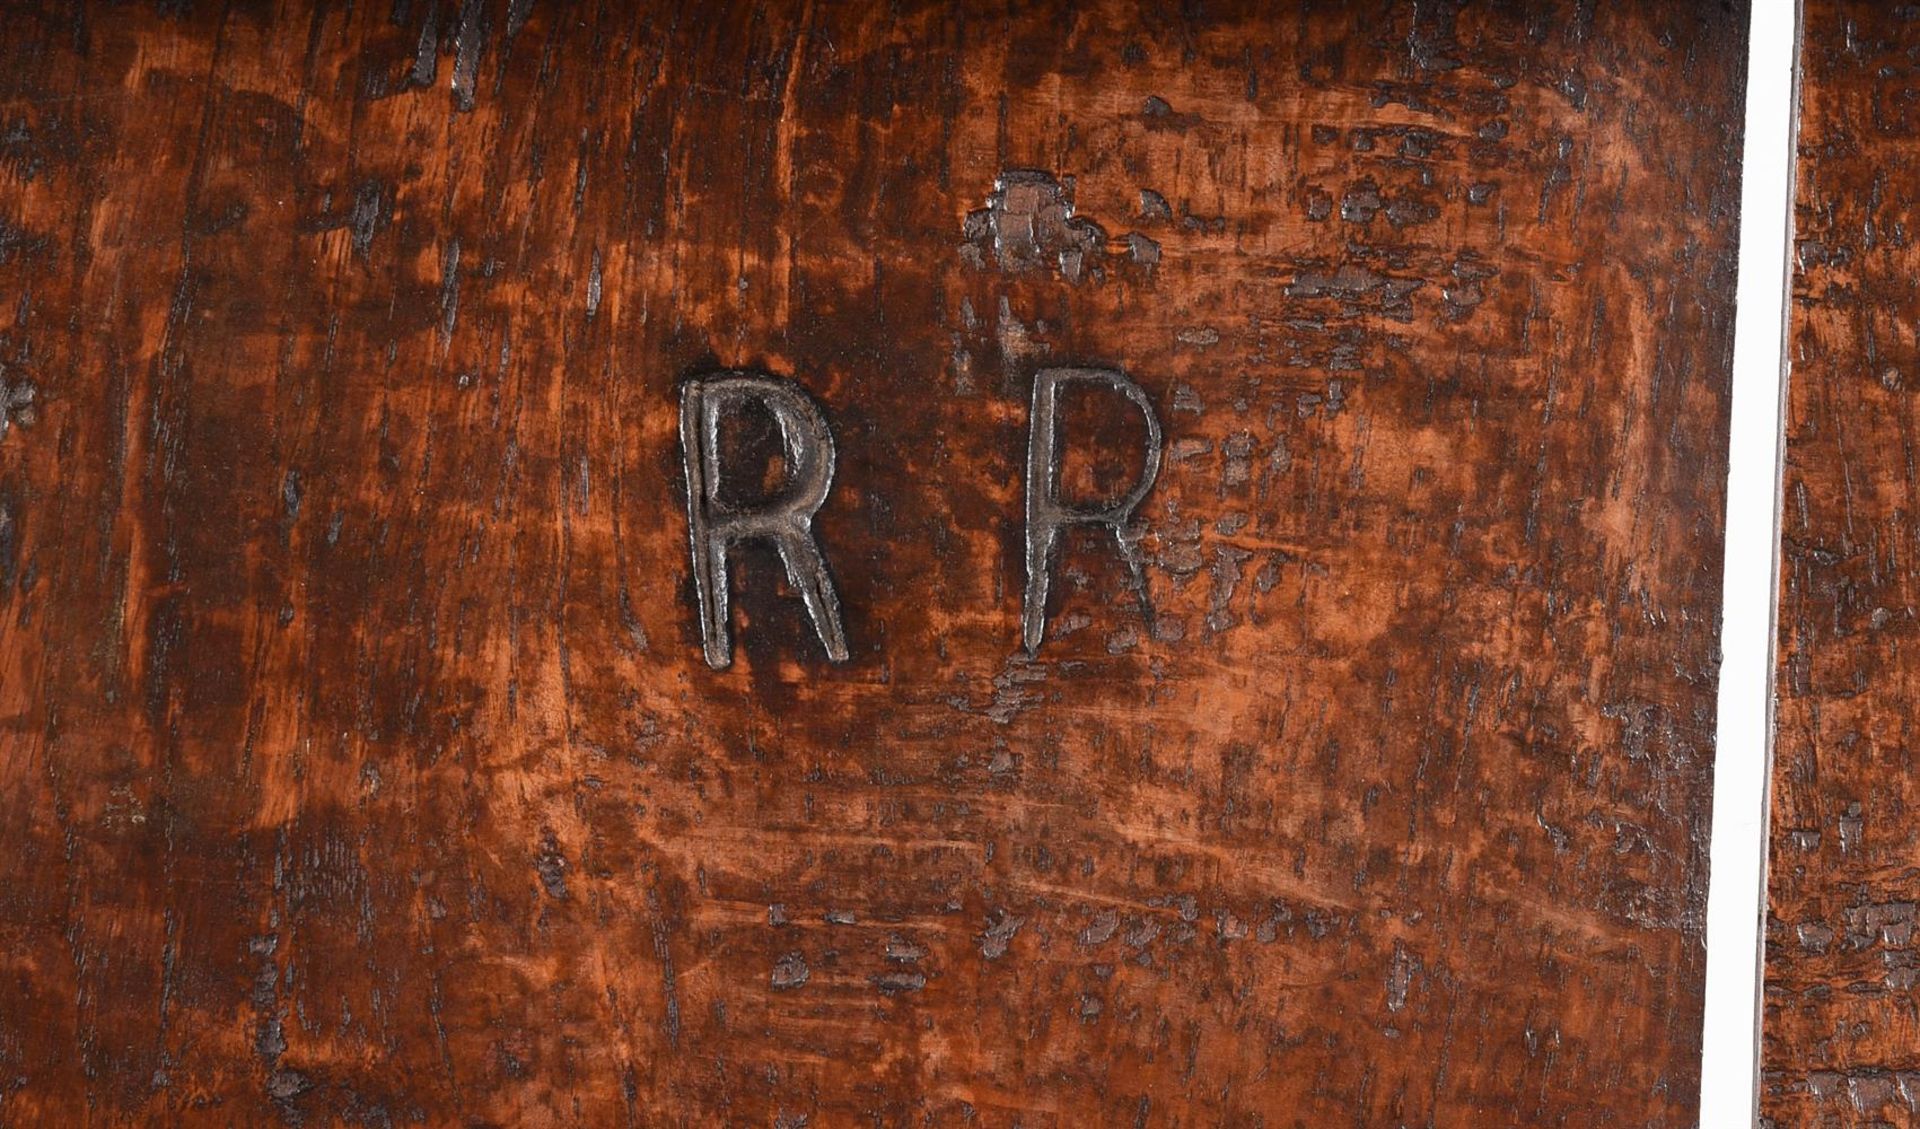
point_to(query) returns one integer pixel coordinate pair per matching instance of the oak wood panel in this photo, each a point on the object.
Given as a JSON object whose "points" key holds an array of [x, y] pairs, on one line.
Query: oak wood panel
{"points": [[1841, 1034], [361, 764]]}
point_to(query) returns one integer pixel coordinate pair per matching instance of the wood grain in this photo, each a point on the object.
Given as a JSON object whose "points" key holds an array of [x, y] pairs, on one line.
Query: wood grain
{"points": [[359, 763], [1841, 1041]]}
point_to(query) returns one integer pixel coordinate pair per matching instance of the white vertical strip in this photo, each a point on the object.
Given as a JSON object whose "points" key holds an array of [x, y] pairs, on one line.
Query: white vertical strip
{"points": [[1736, 899]]}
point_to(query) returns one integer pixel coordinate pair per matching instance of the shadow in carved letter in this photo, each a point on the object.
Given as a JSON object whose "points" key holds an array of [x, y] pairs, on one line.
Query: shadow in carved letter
{"points": [[1046, 513], [714, 525]]}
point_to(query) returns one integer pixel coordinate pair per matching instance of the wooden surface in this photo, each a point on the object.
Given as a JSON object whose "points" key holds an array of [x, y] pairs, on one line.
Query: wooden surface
{"points": [[1841, 1039], [359, 761]]}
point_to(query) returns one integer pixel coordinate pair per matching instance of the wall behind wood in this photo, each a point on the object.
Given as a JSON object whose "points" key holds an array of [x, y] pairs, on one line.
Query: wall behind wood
{"points": [[358, 762]]}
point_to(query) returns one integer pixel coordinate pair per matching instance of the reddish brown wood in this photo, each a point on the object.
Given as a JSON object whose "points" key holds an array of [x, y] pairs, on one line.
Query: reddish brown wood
{"points": [[1841, 1035], [358, 760]]}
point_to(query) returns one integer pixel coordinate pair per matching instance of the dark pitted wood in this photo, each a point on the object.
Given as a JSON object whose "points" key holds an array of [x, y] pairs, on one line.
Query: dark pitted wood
{"points": [[1841, 1039], [359, 763]]}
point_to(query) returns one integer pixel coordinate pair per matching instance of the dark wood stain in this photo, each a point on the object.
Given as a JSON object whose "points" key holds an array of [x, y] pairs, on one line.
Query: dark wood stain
{"points": [[1841, 1037], [358, 760]]}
